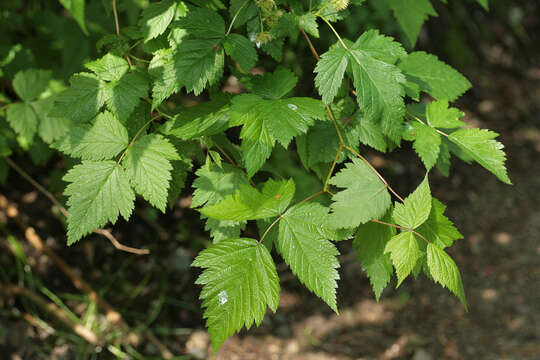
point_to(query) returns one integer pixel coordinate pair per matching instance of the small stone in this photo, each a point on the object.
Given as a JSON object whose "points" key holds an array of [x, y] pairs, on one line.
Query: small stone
{"points": [[197, 345], [422, 354]]}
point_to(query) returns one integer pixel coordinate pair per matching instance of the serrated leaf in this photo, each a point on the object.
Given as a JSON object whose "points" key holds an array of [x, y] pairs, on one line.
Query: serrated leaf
{"points": [[50, 129], [23, 119], [240, 280], [380, 47], [247, 203], [480, 145], [83, 100], [438, 228], [370, 133], [98, 192], [365, 196], [303, 244], [102, 140], [445, 271], [242, 11], [203, 23], [147, 164], [330, 71], [439, 115], [274, 85], [124, 95], [443, 161], [416, 208], [380, 92], [379, 273], [434, 76], [241, 50], [427, 142], [31, 83], [411, 15], [308, 22], [179, 175], [404, 252], [110, 67], [156, 18], [204, 119]]}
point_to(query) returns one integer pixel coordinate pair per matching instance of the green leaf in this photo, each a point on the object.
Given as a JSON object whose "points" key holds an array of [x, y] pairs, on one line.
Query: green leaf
{"points": [[247, 203], [370, 241], [156, 18], [444, 271], [480, 145], [365, 196], [76, 8], [411, 15], [439, 115], [308, 22], [179, 175], [147, 164], [50, 128], [427, 142], [83, 100], [204, 119], [330, 70], [438, 229], [443, 161], [161, 70], [110, 67], [242, 11], [416, 207], [380, 47], [303, 244], [274, 85], [241, 50], [124, 95], [98, 192], [23, 119], [102, 140], [203, 23], [370, 133], [31, 83], [484, 4], [404, 252], [434, 76], [240, 280]]}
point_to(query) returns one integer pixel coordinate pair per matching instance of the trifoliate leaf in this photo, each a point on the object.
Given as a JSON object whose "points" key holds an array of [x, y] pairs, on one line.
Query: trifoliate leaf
{"points": [[330, 71], [439, 115], [98, 192], [303, 244], [427, 142], [23, 119], [438, 229], [147, 164], [404, 252], [411, 15], [157, 17], [240, 280], [247, 203], [481, 146], [434, 76], [365, 196], [445, 271], [204, 119], [241, 50], [31, 83], [416, 208], [102, 140]]}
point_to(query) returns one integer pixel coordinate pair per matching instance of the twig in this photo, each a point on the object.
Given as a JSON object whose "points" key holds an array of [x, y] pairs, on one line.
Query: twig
{"points": [[401, 228], [58, 313], [117, 27], [106, 233]]}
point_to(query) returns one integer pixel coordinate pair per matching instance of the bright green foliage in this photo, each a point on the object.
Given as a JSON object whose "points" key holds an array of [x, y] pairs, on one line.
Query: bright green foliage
{"points": [[415, 209], [105, 138], [303, 242], [480, 145], [240, 281], [98, 192], [221, 88], [444, 271], [247, 203], [148, 166], [434, 76], [411, 15], [365, 196]]}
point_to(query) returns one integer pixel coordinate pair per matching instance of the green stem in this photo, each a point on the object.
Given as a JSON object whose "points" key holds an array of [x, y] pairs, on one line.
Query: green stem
{"points": [[235, 16]]}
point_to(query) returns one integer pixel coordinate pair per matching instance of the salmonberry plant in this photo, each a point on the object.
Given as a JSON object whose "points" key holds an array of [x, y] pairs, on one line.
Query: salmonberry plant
{"points": [[124, 127]]}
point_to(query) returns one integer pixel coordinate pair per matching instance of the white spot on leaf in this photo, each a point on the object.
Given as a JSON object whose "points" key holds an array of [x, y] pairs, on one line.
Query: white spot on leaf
{"points": [[292, 107], [223, 297]]}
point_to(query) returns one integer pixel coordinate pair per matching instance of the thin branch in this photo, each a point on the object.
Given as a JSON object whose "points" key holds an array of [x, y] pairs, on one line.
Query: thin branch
{"points": [[64, 212], [270, 228], [336, 158], [310, 44], [115, 14], [401, 228], [231, 160]]}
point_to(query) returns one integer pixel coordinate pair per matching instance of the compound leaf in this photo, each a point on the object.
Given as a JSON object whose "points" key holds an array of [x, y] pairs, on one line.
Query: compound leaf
{"points": [[444, 271]]}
